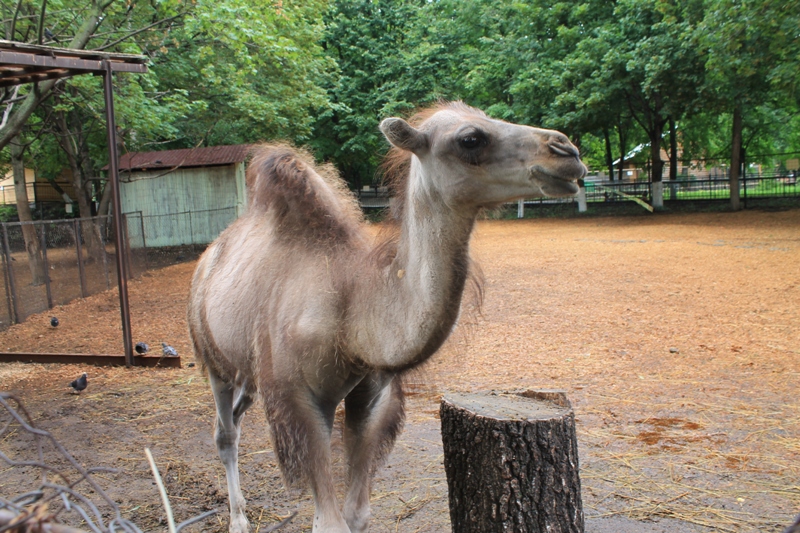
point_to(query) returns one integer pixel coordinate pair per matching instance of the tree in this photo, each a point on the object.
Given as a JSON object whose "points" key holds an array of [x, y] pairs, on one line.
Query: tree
{"points": [[31, 28], [32, 246], [247, 71], [368, 40], [221, 72], [753, 53]]}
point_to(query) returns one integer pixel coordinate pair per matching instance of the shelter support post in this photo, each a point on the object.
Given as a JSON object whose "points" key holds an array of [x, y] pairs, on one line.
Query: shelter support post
{"points": [[113, 172]]}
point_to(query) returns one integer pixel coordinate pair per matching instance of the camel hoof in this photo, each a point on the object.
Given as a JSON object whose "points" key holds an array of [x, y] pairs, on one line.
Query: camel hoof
{"points": [[358, 520], [239, 525]]}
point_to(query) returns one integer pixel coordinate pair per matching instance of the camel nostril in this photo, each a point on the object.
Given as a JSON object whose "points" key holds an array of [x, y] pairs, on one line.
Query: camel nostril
{"points": [[563, 149]]}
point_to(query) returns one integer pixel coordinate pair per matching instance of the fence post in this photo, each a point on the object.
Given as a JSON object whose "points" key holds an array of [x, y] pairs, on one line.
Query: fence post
{"points": [[105, 254], [126, 242], [46, 266], [144, 240], [79, 250], [582, 198], [191, 232], [13, 287]]}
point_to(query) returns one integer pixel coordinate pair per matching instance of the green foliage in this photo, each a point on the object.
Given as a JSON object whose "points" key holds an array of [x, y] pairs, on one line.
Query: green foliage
{"points": [[373, 42], [245, 71], [610, 74], [7, 212]]}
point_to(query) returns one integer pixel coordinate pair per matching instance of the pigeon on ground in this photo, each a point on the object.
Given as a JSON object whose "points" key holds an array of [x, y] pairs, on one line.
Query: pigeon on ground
{"points": [[141, 348], [794, 528], [54, 321], [168, 350], [80, 383]]}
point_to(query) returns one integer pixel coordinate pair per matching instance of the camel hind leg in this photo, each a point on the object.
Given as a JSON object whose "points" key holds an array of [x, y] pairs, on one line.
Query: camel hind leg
{"points": [[232, 401]]}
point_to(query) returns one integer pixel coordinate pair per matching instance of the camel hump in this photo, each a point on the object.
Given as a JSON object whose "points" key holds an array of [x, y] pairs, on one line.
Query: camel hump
{"points": [[305, 200]]}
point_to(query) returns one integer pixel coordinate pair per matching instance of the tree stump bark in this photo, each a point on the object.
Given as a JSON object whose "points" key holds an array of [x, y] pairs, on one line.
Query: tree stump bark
{"points": [[511, 461]]}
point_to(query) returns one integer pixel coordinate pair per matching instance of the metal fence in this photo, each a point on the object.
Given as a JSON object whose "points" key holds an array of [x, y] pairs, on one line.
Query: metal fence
{"points": [[159, 240], [690, 189], [75, 258], [79, 255], [62, 260]]}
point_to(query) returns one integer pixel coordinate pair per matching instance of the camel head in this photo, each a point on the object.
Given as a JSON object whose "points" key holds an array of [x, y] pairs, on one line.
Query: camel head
{"points": [[471, 160]]}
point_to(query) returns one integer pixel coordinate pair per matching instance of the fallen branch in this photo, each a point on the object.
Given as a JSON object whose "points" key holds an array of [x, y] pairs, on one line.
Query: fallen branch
{"points": [[39, 510]]}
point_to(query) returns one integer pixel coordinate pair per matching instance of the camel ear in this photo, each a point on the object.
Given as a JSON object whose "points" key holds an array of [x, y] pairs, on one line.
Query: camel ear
{"points": [[402, 135]]}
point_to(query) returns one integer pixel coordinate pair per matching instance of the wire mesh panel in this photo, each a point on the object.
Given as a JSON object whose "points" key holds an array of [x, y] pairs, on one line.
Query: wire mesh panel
{"points": [[6, 311], [176, 237], [49, 263], [26, 271], [136, 243], [93, 268]]}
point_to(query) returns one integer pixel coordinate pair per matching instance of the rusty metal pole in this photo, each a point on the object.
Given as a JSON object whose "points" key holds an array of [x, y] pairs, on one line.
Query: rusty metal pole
{"points": [[113, 174]]}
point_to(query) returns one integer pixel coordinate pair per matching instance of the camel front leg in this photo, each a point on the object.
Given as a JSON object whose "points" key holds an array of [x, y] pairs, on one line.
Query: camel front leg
{"points": [[301, 425], [374, 415], [231, 402]]}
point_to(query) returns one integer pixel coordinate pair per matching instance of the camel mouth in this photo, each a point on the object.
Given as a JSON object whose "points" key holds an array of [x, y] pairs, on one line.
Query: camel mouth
{"points": [[555, 185]]}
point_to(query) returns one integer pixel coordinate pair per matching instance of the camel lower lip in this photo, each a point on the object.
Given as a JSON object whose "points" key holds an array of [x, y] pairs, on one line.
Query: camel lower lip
{"points": [[554, 185]]}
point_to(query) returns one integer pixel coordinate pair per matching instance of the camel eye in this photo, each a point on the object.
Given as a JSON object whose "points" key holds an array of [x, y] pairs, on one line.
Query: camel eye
{"points": [[471, 141]]}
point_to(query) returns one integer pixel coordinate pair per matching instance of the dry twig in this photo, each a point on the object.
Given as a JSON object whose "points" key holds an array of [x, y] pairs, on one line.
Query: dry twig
{"points": [[42, 510]]}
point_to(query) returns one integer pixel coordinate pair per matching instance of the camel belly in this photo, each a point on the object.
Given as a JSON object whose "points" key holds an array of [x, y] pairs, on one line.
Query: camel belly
{"points": [[251, 312]]}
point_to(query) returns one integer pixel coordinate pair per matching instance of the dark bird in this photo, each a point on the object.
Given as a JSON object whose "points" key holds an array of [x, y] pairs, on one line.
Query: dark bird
{"points": [[54, 321], [794, 528], [80, 383], [50, 35], [141, 348], [168, 350]]}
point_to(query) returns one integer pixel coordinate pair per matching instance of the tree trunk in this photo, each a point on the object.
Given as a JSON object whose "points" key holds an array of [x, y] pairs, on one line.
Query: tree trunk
{"points": [[673, 150], [657, 169], [655, 151], [105, 200], [32, 246], [609, 155], [511, 461], [623, 148], [72, 141], [736, 161]]}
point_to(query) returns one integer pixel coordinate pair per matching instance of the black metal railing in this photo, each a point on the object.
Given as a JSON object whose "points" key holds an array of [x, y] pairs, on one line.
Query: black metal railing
{"points": [[752, 187]]}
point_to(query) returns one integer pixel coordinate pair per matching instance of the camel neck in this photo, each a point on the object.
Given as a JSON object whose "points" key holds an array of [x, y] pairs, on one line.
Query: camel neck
{"points": [[418, 295]]}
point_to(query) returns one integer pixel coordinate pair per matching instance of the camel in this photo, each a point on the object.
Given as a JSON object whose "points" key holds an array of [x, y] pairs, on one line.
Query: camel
{"points": [[299, 303]]}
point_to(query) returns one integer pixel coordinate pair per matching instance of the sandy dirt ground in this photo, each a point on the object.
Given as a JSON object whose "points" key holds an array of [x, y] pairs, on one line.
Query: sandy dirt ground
{"points": [[676, 337]]}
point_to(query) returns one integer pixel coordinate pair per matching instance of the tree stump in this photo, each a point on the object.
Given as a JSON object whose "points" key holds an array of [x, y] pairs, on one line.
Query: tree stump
{"points": [[511, 461]]}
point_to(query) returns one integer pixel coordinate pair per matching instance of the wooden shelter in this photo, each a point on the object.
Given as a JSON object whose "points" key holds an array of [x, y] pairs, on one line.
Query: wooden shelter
{"points": [[185, 196], [22, 63]]}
